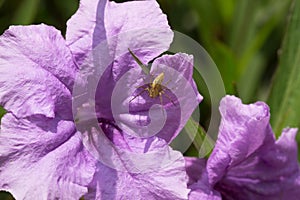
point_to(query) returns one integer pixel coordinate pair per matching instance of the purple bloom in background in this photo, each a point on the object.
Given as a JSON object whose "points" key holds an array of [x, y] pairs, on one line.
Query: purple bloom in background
{"points": [[42, 155], [247, 162]]}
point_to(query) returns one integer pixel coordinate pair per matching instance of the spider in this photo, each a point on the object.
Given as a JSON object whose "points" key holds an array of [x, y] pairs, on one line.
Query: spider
{"points": [[154, 88]]}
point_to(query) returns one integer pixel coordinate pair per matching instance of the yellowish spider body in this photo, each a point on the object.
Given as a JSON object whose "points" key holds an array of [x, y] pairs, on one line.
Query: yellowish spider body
{"points": [[155, 89]]}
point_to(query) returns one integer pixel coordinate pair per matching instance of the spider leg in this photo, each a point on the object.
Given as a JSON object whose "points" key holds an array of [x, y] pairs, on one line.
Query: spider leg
{"points": [[161, 103], [165, 88], [168, 82], [141, 92], [141, 86], [168, 97]]}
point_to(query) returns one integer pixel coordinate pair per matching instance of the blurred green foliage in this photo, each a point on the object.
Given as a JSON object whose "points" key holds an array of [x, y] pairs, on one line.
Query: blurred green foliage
{"points": [[285, 94], [6, 196], [242, 36], [52, 12]]}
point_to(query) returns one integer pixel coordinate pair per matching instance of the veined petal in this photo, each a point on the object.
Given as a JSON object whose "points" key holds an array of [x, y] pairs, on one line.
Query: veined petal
{"points": [[44, 46], [138, 25], [42, 158], [150, 171], [37, 72], [85, 29], [243, 129]]}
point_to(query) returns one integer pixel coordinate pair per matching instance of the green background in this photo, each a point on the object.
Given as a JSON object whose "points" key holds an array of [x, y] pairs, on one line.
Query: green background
{"points": [[255, 44]]}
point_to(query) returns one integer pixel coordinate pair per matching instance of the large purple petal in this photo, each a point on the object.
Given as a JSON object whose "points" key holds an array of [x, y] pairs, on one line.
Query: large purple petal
{"points": [[247, 162], [42, 158], [37, 72], [150, 171], [243, 129]]}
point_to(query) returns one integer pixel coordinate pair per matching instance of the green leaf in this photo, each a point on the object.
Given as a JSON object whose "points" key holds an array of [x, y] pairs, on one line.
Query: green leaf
{"points": [[284, 99], [202, 141], [194, 133]]}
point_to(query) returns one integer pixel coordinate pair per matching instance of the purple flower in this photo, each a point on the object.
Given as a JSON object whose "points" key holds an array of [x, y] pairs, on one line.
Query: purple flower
{"points": [[247, 162], [42, 154], [143, 29]]}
